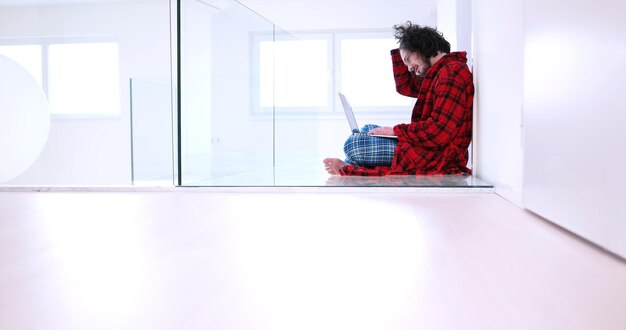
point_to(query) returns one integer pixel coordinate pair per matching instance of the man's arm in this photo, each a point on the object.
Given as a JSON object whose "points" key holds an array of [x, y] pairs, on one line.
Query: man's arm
{"points": [[407, 83], [449, 106]]}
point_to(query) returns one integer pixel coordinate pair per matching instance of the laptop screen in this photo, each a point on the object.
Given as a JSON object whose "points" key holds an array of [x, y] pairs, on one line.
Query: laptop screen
{"points": [[349, 114]]}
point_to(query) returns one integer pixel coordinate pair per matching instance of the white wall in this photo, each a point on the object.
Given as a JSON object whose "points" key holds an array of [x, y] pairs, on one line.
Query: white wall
{"points": [[94, 152], [234, 126], [447, 21], [498, 46], [550, 79], [574, 117]]}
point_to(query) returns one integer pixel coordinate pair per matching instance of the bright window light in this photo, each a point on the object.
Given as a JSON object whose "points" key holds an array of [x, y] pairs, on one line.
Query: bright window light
{"points": [[294, 73], [28, 56], [366, 73], [84, 79]]}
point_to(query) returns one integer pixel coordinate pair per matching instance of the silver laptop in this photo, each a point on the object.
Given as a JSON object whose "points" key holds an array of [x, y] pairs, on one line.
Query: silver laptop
{"points": [[347, 108]]}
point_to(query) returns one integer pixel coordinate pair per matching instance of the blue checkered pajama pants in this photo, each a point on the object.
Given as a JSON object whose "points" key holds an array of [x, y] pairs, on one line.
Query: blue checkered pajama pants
{"points": [[369, 151]]}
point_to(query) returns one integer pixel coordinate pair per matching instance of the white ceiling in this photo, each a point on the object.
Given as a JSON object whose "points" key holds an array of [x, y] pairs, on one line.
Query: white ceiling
{"points": [[343, 14], [309, 14], [62, 2]]}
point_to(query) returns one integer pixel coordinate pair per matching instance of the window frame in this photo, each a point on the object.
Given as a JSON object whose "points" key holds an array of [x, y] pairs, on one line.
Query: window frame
{"points": [[333, 109], [45, 43]]}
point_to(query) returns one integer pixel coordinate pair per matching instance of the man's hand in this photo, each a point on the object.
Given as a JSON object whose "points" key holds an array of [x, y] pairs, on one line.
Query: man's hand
{"points": [[382, 131]]}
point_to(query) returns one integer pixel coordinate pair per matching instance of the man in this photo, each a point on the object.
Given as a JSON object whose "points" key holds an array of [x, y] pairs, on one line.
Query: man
{"points": [[436, 140]]}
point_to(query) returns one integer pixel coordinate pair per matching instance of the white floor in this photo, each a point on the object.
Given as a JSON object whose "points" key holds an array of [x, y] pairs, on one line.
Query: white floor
{"points": [[296, 259]]}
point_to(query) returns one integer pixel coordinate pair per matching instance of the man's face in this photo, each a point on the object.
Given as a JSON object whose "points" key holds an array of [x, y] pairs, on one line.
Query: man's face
{"points": [[414, 62]]}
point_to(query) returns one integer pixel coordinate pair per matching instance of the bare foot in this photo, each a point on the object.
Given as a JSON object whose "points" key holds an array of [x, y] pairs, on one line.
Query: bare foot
{"points": [[333, 165]]}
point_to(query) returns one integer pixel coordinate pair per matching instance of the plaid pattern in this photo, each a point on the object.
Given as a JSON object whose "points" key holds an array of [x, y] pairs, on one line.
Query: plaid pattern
{"points": [[369, 151], [437, 139]]}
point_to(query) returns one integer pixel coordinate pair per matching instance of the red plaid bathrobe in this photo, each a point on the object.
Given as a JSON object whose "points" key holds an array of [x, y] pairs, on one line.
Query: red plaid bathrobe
{"points": [[437, 139]]}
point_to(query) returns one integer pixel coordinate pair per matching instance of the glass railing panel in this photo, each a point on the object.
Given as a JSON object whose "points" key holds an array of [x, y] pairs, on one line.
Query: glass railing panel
{"points": [[83, 56], [151, 132], [223, 141], [259, 105], [302, 88]]}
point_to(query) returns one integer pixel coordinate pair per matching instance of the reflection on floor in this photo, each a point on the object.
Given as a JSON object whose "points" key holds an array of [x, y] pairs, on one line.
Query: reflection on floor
{"points": [[448, 181], [194, 260], [310, 173]]}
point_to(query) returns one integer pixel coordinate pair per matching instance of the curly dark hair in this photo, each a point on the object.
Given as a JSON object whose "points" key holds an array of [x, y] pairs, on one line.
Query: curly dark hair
{"points": [[424, 40]]}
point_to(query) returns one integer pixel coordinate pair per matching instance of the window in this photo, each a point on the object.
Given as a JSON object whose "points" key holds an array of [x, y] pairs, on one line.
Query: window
{"points": [[83, 79], [303, 75], [80, 79], [286, 62], [293, 73], [365, 72], [28, 56]]}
